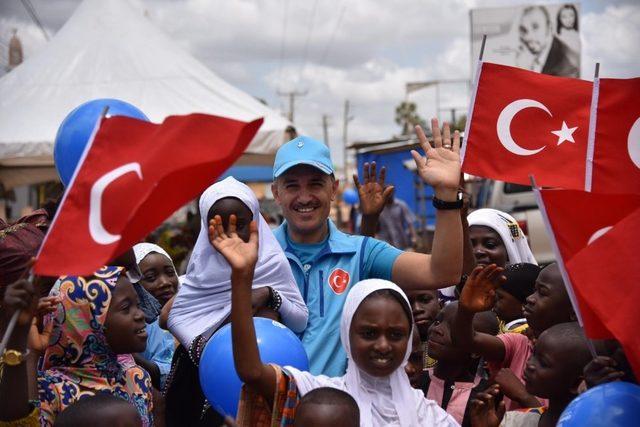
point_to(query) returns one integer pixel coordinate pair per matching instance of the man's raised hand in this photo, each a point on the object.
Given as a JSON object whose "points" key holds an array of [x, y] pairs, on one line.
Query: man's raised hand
{"points": [[440, 167]]}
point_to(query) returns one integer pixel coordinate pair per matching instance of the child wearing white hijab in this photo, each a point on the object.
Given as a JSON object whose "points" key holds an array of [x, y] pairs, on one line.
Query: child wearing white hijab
{"points": [[375, 330], [160, 280], [513, 238], [203, 302]]}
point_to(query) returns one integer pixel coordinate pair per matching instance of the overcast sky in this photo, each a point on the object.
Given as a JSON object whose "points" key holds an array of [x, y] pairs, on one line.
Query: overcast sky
{"points": [[361, 50]]}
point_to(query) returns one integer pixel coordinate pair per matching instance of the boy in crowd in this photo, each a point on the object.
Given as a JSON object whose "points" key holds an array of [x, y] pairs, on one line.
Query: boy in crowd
{"points": [[549, 305], [554, 372]]}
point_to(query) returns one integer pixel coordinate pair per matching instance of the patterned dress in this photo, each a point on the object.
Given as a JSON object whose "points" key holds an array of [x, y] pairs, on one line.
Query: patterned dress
{"points": [[78, 361]]}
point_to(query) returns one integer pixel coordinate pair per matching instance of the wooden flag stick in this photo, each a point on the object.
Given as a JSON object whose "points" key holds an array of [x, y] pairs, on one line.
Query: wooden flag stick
{"points": [[12, 325]]}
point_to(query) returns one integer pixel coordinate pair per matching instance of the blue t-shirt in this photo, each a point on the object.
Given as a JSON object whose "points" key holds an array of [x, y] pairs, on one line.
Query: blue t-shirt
{"points": [[160, 348], [324, 273]]}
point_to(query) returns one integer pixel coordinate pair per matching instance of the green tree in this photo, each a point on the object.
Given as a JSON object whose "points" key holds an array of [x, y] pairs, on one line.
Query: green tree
{"points": [[407, 117]]}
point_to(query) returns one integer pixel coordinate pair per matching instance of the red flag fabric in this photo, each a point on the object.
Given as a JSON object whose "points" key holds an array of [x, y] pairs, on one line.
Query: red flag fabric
{"points": [[133, 176], [616, 142], [523, 123], [598, 237]]}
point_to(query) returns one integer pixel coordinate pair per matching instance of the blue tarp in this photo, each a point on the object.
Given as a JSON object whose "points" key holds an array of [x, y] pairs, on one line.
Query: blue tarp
{"points": [[250, 173], [402, 178]]}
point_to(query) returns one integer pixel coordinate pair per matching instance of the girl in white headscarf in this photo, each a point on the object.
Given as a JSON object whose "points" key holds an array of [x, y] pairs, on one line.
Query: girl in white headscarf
{"points": [[160, 280], [497, 238], [203, 302], [375, 330]]}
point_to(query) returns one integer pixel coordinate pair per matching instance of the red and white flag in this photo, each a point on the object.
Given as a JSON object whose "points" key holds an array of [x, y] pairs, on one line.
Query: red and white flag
{"points": [[597, 240], [523, 123], [614, 138], [133, 175]]}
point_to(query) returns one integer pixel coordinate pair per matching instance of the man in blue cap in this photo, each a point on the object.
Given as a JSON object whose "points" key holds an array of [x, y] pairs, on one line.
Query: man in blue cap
{"points": [[327, 262]]}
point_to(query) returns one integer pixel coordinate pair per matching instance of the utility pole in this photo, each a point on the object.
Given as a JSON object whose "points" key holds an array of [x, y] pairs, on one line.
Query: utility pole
{"points": [[346, 119], [292, 100], [325, 129]]}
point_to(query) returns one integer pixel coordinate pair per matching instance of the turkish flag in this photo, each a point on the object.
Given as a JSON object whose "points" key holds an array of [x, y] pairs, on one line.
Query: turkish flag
{"points": [[524, 123], [598, 237], [616, 156], [133, 176]]}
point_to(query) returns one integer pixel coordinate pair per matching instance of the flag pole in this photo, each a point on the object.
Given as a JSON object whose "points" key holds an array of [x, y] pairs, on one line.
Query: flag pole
{"points": [[591, 138], [560, 260], [12, 324], [472, 101], [85, 151], [14, 317]]}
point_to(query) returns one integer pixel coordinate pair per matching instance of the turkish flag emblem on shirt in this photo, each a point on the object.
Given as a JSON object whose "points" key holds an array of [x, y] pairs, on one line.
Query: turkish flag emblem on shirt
{"points": [[598, 237], [339, 280], [616, 157], [133, 176], [523, 123]]}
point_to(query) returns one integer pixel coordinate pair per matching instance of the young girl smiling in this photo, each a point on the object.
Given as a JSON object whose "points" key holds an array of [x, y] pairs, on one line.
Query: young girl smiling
{"points": [[375, 330]]}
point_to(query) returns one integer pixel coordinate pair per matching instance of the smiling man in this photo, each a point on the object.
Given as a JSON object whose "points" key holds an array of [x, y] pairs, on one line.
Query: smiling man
{"points": [[327, 262]]}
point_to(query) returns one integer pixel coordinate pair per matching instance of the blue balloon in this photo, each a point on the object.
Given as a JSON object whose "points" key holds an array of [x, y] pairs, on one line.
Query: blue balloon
{"points": [[76, 129], [218, 378], [350, 196], [614, 404]]}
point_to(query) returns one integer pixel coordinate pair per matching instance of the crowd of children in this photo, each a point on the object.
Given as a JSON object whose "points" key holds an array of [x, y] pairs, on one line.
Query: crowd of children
{"points": [[476, 334]]}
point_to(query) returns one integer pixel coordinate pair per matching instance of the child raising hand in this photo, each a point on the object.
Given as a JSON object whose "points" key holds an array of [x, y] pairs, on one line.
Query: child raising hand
{"points": [[375, 330]]}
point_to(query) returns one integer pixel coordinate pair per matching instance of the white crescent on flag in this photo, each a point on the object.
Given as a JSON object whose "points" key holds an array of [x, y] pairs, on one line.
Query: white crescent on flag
{"points": [[96, 228], [503, 125], [598, 234], [633, 143]]}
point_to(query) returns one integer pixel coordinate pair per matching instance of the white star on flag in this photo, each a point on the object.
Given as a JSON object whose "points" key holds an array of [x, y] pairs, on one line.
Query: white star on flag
{"points": [[564, 134]]}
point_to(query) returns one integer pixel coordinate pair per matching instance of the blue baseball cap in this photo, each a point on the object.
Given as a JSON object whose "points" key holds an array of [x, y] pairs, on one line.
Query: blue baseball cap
{"points": [[302, 150]]}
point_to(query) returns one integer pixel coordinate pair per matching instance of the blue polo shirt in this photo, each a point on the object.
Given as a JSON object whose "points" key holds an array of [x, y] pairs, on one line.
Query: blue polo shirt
{"points": [[325, 272]]}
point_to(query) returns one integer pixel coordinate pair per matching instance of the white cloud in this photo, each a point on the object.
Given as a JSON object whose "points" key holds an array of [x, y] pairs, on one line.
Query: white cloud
{"points": [[378, 47], [611, 38]]}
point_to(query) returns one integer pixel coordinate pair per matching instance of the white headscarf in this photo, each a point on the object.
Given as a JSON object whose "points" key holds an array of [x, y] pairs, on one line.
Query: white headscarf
{"points": [[204, 298], [507, 227], [141, 250], [383, 401]]}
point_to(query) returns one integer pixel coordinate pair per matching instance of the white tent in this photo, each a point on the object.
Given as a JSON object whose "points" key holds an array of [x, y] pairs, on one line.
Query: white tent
{"points": [[109, 49]]}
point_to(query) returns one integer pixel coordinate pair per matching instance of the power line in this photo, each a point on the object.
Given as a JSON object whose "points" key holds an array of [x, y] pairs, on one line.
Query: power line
{"points": [[306, 44], [285, 12], [34, 16], [292, 101], [333, 34]]}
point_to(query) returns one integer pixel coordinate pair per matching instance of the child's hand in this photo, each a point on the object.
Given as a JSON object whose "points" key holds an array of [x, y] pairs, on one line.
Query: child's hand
{"points": [[47, 305], [601, 370], [483, 408], [21, 295], [373, 192], [479, 291], [514, 389], [240, 255], [39, 341]]}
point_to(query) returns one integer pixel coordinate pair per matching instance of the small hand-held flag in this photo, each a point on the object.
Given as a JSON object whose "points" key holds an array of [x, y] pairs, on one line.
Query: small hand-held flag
{"points": [[615, 137], [522, 123], [133, 175], [596, 238]]}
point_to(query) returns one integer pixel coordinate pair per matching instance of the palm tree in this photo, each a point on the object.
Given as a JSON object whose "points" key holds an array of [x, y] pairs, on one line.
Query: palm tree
{"points": [[408, 118]]}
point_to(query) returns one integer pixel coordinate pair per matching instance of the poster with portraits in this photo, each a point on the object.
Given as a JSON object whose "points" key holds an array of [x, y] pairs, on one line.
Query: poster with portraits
{"points": [[543, 38]]}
